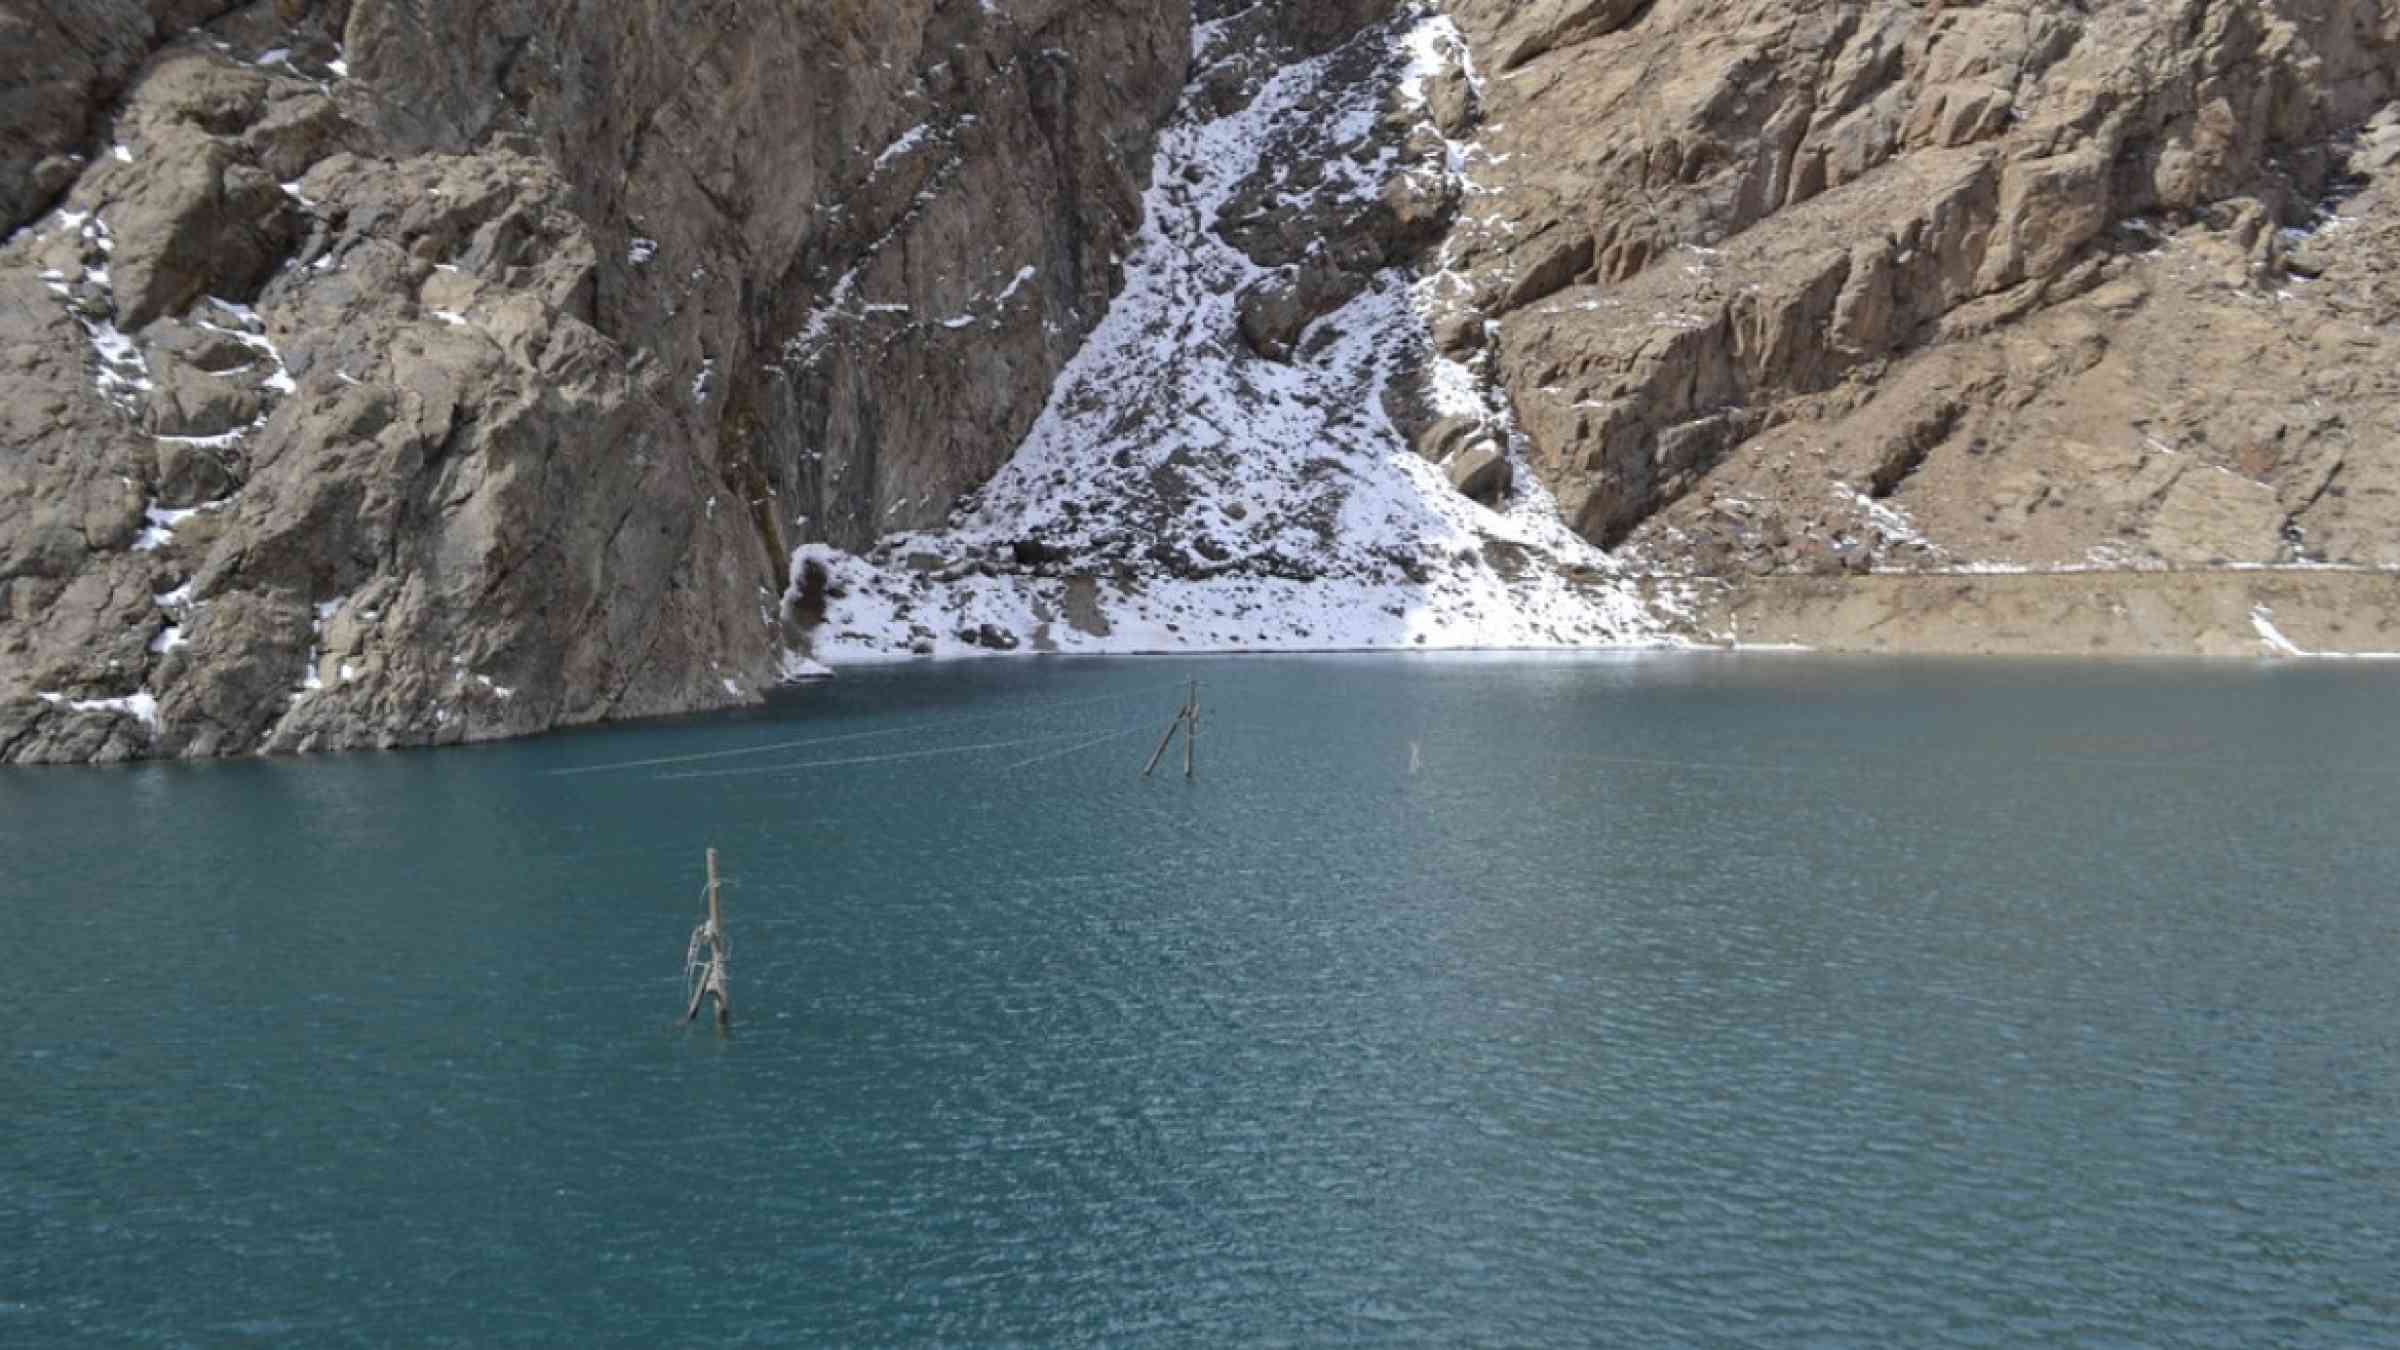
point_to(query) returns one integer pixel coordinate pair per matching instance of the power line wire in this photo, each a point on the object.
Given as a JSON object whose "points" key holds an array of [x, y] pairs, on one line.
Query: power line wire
{"points": [[1057, 754], [866, 759], [850, 736]]}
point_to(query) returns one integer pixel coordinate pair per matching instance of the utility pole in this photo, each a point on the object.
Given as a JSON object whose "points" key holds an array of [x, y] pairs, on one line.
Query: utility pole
{"points": [[1187, 721]]}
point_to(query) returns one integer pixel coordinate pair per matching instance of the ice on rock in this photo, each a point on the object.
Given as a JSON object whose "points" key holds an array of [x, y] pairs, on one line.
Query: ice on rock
{"points": [[797, 667], [140, 706], [161, 530], [2262, 620], [903, 143]]}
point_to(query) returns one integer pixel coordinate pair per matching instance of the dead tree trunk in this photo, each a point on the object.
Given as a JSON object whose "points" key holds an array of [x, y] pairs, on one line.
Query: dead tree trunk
{"points": [[704, 960]]}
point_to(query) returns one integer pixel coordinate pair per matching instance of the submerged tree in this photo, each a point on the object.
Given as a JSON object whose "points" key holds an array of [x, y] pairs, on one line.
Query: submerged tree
{"points": [[704, 959]]}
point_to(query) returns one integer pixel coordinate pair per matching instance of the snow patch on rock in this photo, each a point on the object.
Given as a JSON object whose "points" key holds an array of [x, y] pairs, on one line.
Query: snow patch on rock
{"points": [[1181, 493], [138, 705]]}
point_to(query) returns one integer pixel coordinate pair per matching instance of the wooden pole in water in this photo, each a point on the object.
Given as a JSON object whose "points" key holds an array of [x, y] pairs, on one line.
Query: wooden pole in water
{"points": [[1165, 741], [714, 926], [1191, 725], [711, 975], [1187, 720]]}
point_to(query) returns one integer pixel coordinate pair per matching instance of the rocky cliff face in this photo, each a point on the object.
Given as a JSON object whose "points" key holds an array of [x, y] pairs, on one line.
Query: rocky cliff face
{"points": [[404, 371], [387, 373], [1734, 288], [1797, 287]]}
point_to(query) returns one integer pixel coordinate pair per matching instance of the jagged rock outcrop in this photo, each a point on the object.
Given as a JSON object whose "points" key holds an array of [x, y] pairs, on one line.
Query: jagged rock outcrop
{"points": [[1799, 287], [382, 373], [65, 64]]}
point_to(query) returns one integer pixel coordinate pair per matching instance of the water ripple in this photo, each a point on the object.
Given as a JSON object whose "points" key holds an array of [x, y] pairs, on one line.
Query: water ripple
{"points": [[1935, 1034]]}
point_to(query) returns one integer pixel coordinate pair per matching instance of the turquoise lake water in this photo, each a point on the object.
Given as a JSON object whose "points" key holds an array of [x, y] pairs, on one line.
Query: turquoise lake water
{"points": [[1670, 1000]]}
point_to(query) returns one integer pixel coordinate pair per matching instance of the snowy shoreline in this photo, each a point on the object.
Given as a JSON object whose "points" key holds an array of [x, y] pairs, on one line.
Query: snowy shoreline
{"points": [[885, 661], [2270, 653]]}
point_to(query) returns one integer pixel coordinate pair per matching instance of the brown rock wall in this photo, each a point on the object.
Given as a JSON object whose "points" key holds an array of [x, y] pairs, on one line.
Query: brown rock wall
{"points": [[1725, 237], [396, 373]]}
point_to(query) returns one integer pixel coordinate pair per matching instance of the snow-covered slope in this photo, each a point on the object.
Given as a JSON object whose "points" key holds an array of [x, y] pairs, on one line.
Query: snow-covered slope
{"points": [[1182, 492]]}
